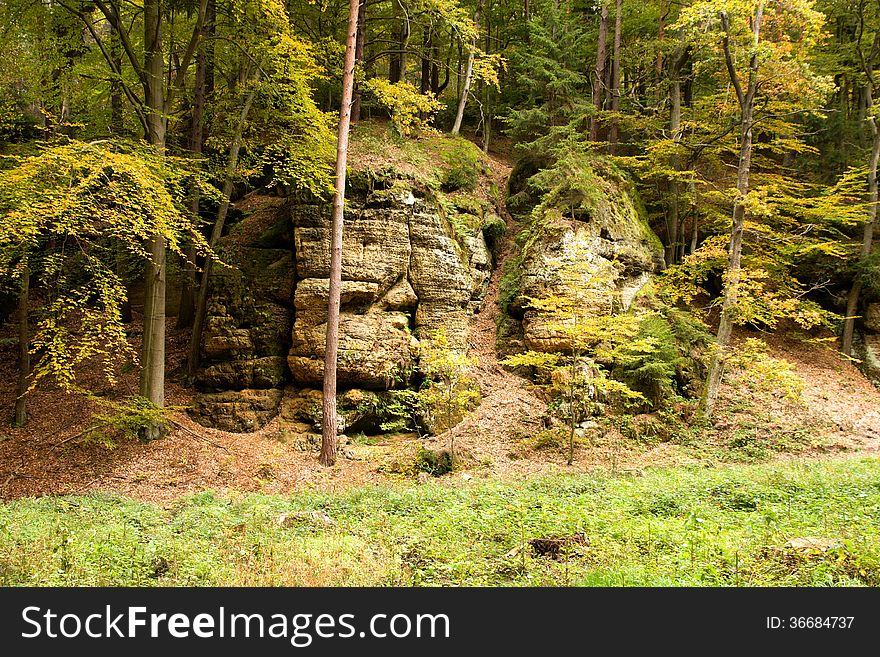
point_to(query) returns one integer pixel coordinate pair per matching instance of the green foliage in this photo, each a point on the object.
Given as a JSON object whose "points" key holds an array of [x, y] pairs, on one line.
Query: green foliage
{"points": [[667, 358], [66, 213], [125, 421], [761, 372], [672, 527], [287, 137], [434, 463], [448, 393], [463, 162], [494, 229], [868, 272], [511, 282], [406, 105], [769, 293]]}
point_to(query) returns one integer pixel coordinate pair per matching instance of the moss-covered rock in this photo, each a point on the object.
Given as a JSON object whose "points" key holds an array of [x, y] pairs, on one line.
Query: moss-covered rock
{"points": [[588, 232], [415, 261]]}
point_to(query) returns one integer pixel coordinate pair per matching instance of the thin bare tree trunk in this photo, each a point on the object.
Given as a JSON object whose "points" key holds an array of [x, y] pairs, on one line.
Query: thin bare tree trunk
{"points": [[24, 357], [599, 73], [116, 119], [358, 57], [468, 75], [194, 359], [331, 347], [852, 302], [152, 379], [425, 77], [613, 133], [675, 246], [187, 305], [731, 285]]}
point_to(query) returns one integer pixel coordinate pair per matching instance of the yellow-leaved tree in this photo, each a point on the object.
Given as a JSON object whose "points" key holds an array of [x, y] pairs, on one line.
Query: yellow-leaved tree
{"points": [[761, 49]]}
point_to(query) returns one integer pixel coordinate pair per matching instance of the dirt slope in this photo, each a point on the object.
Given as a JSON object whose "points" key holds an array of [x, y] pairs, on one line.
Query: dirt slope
{"points": [[841, 414]]}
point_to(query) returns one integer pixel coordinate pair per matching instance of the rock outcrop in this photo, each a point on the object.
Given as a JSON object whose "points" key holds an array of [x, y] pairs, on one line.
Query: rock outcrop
{"points": [[866, 345], [408, 271], [593, 251]]}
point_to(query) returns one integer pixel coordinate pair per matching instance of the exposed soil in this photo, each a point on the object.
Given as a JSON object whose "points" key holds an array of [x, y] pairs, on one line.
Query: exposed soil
{"points": [[49, 456]]}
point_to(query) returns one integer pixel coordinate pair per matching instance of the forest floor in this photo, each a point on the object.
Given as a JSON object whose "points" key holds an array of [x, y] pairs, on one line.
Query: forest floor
{"points": [[504, 438]]}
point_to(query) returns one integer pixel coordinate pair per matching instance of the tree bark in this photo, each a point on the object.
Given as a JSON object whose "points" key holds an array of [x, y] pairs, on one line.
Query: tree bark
{"points": [[194, 359], [359, 57], [331, 347], [186, 307], [613, 132], [599, 72], [731, 286], [397, 62], [152, 380], [24, 357], [852, 302], [116, 119], [675, 247], [468, 75], [425, 77]]}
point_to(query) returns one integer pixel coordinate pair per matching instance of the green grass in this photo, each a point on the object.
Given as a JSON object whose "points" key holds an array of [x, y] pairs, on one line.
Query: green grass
{"points": [[675, 527]]}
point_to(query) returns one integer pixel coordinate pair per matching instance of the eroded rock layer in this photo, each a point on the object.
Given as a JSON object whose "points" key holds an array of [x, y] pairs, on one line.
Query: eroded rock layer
{"points": [[592, 251], [408, 272]]}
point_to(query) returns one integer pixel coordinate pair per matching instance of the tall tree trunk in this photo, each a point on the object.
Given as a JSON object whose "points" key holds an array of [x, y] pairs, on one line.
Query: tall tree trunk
{"points": [[187, 305], [599, 72], [359, 57], [487, 92], [661, 35], [673, 219], [152, 380], [195, 344], [331, 347], [24, 357], [675, 247], [436, 87], [425, 77], [397, 61], [613, 132], [731, 285], [852, 302], [468, 75]]}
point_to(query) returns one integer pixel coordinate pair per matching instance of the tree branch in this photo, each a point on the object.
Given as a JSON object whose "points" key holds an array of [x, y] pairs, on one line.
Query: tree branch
{"points": [[728, 59]]}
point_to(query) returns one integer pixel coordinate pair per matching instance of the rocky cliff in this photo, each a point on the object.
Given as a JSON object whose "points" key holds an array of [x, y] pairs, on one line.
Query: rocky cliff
{"points": [[587, 236], [412, 266]]}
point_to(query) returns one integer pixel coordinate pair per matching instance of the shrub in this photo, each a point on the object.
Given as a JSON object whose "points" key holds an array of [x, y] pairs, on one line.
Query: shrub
{"points": [[463, 163], [434, 463], [410, 111]]}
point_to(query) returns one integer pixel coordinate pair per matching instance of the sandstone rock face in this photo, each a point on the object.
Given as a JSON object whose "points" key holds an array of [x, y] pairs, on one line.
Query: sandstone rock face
{"points": [[405, 275], [871, 318], [237, 410], [596, 257], [866, 342], [406, 272]]}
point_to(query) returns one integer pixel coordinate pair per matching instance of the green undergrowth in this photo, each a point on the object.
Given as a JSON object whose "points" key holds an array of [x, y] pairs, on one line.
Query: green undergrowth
{"points": [[673, 527]]}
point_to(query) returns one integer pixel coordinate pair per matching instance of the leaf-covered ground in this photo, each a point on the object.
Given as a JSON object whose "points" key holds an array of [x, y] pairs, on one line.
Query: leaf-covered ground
{"points": [[800, 523]]}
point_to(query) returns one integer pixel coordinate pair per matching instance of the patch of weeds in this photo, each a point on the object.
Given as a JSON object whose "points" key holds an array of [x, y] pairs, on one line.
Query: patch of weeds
{"points": [[434, 463], [663, 504], [729, 495], [361, 439], [463, 164], [549, 439]]}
